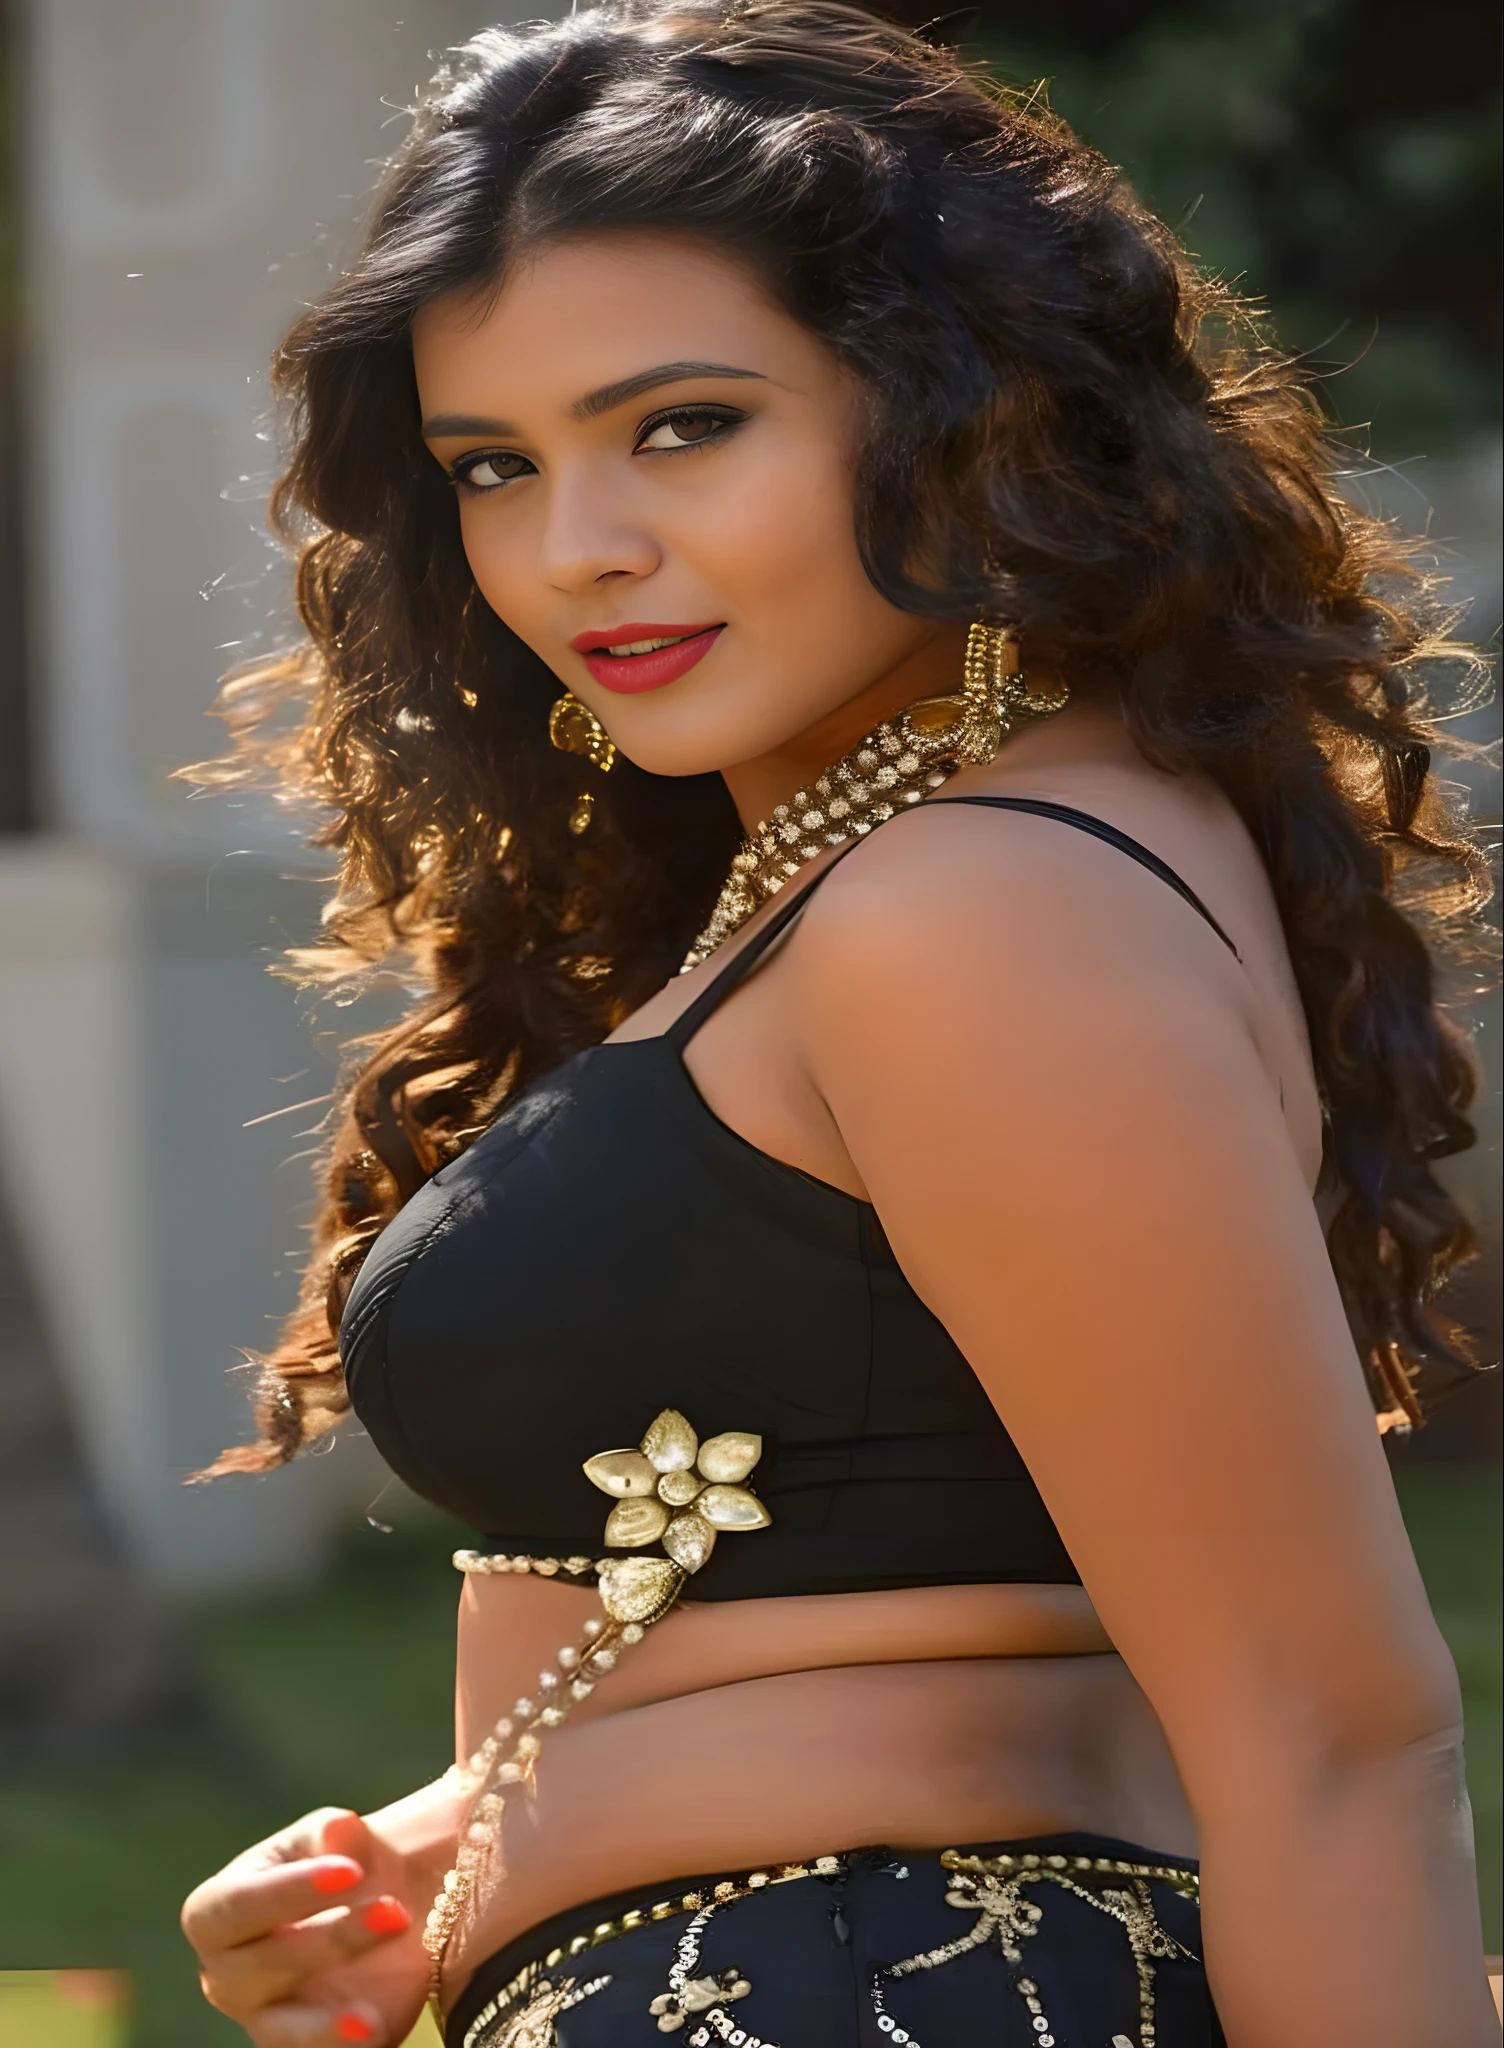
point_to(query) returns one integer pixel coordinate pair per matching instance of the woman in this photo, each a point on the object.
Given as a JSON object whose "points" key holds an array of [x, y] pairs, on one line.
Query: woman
{"points": [[746, 422]]}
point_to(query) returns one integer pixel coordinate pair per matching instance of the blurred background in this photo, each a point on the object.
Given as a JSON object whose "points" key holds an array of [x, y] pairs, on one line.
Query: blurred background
{"points": [[182, 1670]]}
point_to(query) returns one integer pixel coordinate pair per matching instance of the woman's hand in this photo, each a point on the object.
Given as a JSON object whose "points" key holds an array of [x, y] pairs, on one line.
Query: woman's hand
{"points": [[312, 1938]]}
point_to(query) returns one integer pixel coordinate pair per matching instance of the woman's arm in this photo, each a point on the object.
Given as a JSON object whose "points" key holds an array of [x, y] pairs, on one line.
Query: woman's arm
{"points": [[1044, 1067]]}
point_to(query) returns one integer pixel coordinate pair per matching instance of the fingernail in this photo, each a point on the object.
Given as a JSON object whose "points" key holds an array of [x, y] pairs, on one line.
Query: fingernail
{"points": [[351, 2027], [386, 1916], [336, 1877]]}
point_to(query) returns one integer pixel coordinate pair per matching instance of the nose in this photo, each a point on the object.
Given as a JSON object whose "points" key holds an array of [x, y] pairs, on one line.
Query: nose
{"points": [[590, 534]]}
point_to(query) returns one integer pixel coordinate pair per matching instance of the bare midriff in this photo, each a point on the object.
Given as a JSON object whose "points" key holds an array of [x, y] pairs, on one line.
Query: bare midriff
{"points": [[766, 1731]]}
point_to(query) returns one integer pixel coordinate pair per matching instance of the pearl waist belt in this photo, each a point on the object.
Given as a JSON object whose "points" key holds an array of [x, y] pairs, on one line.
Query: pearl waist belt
{"points": [[672, 1491]]}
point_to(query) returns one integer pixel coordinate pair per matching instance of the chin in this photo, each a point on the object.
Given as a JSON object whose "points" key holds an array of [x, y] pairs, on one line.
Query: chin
{"points": [[676, 759], [673, 740], [689, 739]]}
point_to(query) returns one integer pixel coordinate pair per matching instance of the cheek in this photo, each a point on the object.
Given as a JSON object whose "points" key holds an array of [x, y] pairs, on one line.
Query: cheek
{"points": [[782, 535], [783, 549], [497, 561]]}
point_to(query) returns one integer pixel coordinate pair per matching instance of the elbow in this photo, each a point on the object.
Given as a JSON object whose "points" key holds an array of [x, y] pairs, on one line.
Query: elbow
{"points": [[1399, 1723], [1413, 1707]]}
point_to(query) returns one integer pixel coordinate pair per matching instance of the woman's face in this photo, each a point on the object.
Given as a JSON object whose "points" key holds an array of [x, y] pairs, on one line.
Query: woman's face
{"points": [[648, 450]]}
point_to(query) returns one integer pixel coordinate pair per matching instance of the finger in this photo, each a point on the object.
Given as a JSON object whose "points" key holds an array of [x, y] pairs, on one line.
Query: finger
{"points": [[302, 1842], [241, 1905], [326, 1831], [311, 2026], [257, 1973], [339, 1831]]}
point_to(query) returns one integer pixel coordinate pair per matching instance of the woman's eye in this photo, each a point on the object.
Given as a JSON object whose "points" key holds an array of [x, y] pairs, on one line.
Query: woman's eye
{"points": [[487, 472], [686, 430]]}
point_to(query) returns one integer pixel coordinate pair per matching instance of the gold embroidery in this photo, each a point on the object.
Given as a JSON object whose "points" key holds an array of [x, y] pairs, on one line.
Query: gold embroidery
{"points": [[992, 1887], [1003, 1877], [528, 1983], [533, 2027]]}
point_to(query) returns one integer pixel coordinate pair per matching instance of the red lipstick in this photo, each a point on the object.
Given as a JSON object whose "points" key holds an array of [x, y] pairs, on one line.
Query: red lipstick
{"points": [[654, 665]]}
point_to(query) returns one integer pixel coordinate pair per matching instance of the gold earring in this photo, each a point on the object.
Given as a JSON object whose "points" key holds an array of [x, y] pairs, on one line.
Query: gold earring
{"points": [[994, 695], [991, 663], [996, 692], [574, 729]]}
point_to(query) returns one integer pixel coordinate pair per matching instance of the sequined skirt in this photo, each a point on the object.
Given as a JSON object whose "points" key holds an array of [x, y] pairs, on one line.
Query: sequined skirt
{"points": [[1066, 1941]]}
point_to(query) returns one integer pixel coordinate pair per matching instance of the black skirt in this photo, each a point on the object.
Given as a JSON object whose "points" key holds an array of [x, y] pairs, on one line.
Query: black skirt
{"points": [[1066, 1941]]}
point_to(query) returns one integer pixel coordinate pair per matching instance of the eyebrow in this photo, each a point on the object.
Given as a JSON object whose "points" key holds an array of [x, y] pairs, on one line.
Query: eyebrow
{"points": [[611, 395], [604, 399]]}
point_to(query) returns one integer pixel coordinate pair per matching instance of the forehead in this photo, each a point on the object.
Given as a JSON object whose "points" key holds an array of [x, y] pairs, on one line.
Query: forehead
{"points": [[574, 316]]}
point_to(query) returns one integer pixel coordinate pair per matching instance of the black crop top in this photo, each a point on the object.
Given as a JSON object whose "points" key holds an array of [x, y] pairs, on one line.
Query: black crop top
{"points": [[609, 1248]]}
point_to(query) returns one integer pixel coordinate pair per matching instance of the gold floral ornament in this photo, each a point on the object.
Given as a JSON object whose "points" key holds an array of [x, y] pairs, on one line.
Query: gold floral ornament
{"points": [[675, 1490], [672, 1490]]}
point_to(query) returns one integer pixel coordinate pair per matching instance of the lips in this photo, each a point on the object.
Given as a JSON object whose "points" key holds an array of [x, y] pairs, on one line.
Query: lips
{"points": [[664, 654]]}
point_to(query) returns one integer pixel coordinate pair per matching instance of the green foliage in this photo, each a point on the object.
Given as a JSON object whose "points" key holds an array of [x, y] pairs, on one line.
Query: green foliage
{"points": [[1366, 225], [1456, 1523]]}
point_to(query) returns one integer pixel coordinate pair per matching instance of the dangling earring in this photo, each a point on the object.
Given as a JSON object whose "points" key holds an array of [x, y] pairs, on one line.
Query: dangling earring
{"points": [[991, 663], [574, 729], [995, 692]]}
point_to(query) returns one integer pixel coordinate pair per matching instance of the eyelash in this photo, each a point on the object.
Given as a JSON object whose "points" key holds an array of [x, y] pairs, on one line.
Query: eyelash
{"points": [[725, 419]]}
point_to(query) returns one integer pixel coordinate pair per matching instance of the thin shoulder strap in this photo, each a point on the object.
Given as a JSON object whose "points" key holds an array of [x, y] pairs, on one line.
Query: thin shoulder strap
{"points": [[1098, 828], [741, 964]]}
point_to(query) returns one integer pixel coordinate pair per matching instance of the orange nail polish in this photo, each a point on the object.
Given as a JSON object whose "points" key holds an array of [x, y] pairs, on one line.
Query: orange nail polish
{"points": [[336, 1877], [385, 1916], [351, 2027]]}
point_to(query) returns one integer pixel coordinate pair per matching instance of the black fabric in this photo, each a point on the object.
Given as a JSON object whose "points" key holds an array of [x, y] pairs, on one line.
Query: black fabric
{"points": [[609, 1248], [816, 1952]]}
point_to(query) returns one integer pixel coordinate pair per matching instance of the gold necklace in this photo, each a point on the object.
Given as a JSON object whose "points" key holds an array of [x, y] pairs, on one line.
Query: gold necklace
{"points": [[898, 763]]}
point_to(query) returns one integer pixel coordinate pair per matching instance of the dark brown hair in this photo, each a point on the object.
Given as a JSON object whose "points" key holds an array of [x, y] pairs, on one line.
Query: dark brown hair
{"points": [[1070, 427]]}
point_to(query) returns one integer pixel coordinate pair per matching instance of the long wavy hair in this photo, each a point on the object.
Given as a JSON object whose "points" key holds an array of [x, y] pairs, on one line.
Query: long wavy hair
{"points": [[1069, 426]]}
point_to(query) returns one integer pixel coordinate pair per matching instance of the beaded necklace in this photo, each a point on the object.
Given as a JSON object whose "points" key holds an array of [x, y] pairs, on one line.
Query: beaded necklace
{"points": [[898, 763]]}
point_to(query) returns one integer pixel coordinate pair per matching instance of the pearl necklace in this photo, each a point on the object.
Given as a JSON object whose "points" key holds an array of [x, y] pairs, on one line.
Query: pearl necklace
{"points": [[898, 763]]}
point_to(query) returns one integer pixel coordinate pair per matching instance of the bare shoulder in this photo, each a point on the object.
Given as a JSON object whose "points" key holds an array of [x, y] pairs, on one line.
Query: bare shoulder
{"points": [[956, 882], [960, 906], [1185, 821]]}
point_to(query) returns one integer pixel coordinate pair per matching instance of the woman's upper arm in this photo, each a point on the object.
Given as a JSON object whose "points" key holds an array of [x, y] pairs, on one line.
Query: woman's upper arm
{"points": [[1044, 1068]]}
